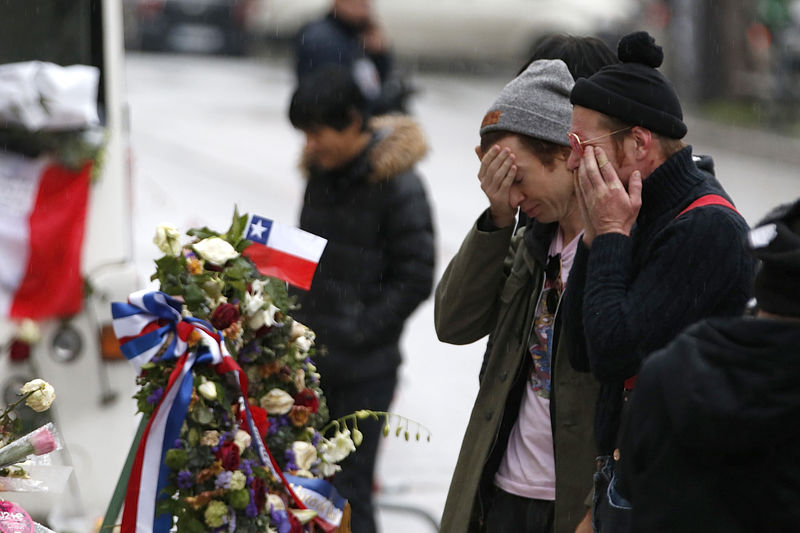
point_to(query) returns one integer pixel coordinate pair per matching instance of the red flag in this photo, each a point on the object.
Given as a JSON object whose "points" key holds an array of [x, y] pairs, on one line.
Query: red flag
{"points": [[41, 238]]}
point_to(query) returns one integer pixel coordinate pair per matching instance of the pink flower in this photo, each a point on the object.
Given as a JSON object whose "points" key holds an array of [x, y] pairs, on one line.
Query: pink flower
{"points": [[43, 441]]}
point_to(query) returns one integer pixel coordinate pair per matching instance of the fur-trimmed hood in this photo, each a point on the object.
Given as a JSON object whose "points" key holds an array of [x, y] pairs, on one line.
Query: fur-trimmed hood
{"points": [[398, 144]]}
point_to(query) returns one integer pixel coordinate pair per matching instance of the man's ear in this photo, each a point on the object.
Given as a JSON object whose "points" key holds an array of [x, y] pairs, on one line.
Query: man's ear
{"points": [[479, 152], [643, 139]]}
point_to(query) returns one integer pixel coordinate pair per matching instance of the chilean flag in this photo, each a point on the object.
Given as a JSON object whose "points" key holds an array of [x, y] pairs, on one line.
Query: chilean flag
{"points": [[42, 220], [283, 252]]}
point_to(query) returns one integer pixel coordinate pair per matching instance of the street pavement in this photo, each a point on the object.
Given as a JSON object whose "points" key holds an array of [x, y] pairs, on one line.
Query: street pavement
{"points": [[209, 133]]}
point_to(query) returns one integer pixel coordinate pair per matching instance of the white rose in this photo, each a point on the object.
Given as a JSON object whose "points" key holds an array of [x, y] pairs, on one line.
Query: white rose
{"points": [[42, 397], [275, 501], [207, 390], [242, 440], [304, 454], [210, 438], [337, 449], [276, 402], [300, 330], [168, 239], [29, 332], [303, 345], [215, 250]]}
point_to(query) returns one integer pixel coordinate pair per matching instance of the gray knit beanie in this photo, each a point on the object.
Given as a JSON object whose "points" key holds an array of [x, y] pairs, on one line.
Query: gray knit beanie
{"points": [[535, 103]]}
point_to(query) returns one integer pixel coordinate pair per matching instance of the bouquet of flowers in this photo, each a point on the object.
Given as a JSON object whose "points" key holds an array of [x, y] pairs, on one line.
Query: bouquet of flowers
{"points": [[22, 451], [232, 395]]}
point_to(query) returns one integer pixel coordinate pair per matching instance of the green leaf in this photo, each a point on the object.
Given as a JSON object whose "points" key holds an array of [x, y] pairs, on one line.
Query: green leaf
{"points": [[238, 225], [194, 295], [202, 233]]}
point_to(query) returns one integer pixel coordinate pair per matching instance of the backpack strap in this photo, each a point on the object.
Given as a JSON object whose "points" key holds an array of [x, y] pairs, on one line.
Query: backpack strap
{"points": [[708, 199]]}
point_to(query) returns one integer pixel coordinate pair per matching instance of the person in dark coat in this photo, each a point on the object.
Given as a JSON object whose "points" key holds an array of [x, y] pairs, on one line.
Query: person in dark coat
{"points": [[350, 35], [651, 260], [709, 440], [365, 196]]}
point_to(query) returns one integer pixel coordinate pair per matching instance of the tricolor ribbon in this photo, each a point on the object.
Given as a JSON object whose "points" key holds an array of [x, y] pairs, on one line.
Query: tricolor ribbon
{"points": [[151, 325]]}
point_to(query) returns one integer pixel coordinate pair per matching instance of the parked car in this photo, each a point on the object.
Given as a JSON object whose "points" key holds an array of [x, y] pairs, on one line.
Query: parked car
{"points": [[189, 25], [497, 30]]}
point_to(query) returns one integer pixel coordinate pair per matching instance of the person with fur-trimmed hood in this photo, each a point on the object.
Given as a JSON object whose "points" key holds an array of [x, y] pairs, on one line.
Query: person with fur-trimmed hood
{"points": [[365, 197]]}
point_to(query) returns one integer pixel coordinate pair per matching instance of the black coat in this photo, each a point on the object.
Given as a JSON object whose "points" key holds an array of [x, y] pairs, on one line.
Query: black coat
{"points": [[710, 439], [330, 40], [630, 296], [378, 264]]}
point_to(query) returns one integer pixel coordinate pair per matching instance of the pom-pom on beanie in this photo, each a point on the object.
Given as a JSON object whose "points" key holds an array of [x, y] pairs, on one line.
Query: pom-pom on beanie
{"points": [[535, 103], [633, 91], [776, 242]]}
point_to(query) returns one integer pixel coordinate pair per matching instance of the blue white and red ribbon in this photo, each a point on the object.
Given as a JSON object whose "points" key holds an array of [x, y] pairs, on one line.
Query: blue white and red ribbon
{"points": [[149, 324], [322, 497]]}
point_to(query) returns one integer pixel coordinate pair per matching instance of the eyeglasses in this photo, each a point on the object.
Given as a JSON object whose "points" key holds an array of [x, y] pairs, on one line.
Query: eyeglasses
{"points": [[577, 144]]}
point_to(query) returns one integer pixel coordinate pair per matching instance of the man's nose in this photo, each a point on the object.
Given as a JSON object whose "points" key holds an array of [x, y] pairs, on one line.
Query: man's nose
{"points": [[515, 197]]}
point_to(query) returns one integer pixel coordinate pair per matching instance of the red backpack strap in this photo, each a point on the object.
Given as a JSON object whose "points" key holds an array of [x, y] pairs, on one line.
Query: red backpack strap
{"points": [[708, 199]]}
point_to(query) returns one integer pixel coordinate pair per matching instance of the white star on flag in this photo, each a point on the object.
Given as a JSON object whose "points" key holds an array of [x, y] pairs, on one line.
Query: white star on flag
{"points": [[256, 230]]}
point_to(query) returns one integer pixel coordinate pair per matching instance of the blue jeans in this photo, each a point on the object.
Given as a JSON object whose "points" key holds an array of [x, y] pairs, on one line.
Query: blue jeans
{"points": [[611, 513]]}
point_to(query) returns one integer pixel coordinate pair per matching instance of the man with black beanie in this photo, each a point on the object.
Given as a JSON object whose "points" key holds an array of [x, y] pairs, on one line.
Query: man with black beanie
{"points": [[662, 246], [709, 440]]}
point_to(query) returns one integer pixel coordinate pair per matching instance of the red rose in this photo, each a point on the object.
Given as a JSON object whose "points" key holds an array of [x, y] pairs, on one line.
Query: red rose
{"points": [[307, 398], [19, 351], [224, 315], [259, 419], [228, 453], [259, 487]]}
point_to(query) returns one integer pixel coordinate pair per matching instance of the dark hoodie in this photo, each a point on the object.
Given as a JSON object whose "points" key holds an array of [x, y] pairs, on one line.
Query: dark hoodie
{"points": [[710, 438]]}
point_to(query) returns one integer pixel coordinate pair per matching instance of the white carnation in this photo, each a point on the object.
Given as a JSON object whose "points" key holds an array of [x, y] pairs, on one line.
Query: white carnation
{"points": [[42, 397]]}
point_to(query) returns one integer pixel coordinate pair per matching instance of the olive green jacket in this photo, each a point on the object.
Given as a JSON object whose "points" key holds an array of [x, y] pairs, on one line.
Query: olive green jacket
{"points": [[492, 286]]}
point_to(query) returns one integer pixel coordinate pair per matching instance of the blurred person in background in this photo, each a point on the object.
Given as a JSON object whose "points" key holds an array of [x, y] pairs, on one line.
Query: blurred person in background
{"points": [[662, 248], [350, 35], [517, 470], [709, 440], [365, 197]]}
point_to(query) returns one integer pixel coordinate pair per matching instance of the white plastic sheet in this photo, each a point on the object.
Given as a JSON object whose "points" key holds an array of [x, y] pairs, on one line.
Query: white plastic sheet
{"points": [[40, 96]]}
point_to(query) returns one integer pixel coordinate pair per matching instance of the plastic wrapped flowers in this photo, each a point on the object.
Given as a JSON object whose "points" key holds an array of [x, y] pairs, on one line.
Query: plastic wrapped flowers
{"points": [[22, 451], [230, 395]]}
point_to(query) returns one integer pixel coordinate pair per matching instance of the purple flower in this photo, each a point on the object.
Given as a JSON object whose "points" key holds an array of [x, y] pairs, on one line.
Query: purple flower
{"points": [[178, 444], [315, 439], [185, 479], [281, 521], [251, 511], [155, 396], [246, 467], [274, 425], [223, 479]]}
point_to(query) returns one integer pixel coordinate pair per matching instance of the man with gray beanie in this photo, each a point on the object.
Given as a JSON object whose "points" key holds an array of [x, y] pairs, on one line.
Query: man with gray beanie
{"points": [[709, 441], [527, 455], [663, 243]]}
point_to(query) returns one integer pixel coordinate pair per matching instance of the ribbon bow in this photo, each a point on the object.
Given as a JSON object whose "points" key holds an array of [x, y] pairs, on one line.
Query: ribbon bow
{"points": [[150, 327]]}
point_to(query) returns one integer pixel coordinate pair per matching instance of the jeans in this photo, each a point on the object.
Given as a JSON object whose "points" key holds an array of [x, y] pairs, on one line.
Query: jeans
{"points": [[611, 513], [511, 513]]}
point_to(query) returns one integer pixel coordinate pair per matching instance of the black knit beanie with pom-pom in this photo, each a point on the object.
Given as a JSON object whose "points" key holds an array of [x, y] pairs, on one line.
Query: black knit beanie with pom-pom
{"points": [[633, 91]]}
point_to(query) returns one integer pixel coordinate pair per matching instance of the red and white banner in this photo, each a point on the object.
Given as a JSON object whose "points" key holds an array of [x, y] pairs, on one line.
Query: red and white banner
{"points": [[43, 210], [283, 252]]}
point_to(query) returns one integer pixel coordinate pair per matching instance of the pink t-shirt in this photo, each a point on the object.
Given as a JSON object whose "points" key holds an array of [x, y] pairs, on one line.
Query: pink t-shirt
{"points": [[528, 468]]}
